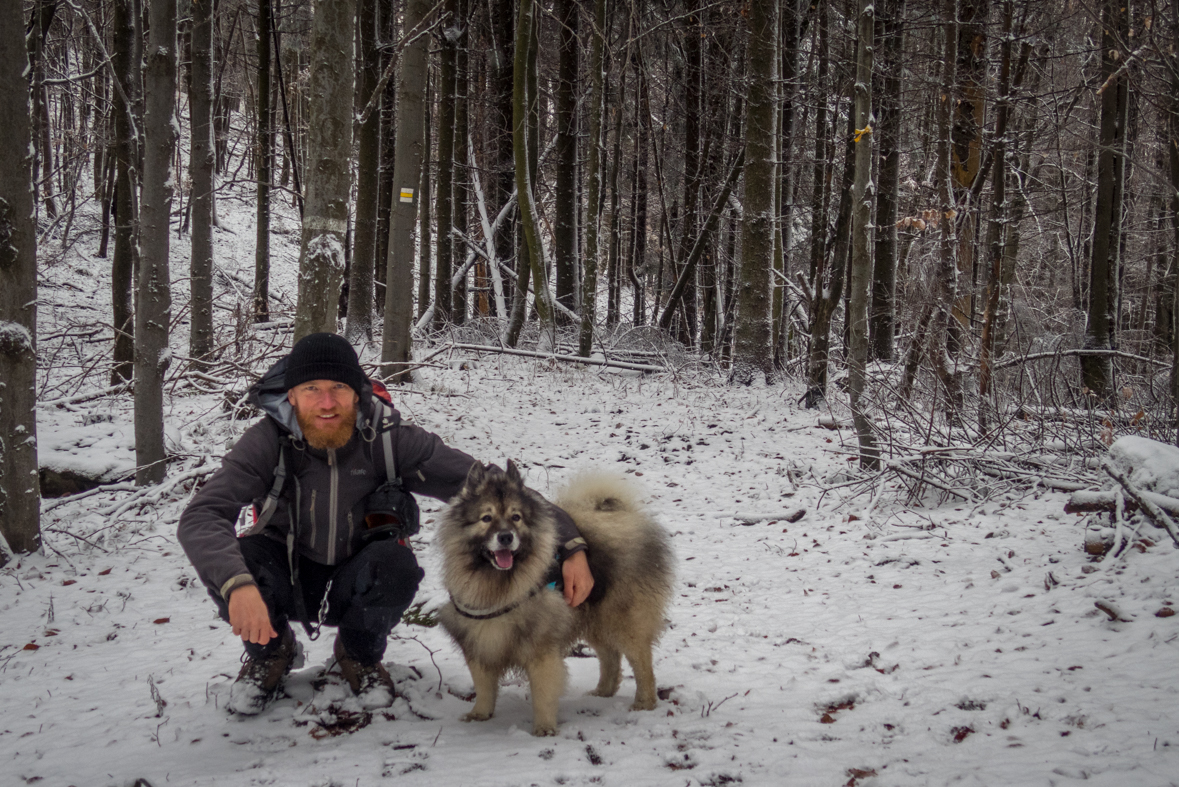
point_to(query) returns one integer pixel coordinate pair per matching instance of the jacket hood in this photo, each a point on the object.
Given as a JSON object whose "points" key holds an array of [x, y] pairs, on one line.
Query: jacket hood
{"points": [[269, 395]]}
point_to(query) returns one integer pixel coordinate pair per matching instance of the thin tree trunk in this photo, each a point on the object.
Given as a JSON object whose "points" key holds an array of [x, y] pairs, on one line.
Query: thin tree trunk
{"points": [[753, 350], [386, 199], [201, 163], [444, 197], [503, 177], [154, 304], [397, 343], [997, 230], [565, 208], [860, 278], [1173, 159], [946, 326], [1097, 371], [636, 268], [127, 54], [589, 284], [425, 201], [20, 499], [264, 152], [329, 153], [359, 326], [529, 210], [462, 143], [882, 317]]}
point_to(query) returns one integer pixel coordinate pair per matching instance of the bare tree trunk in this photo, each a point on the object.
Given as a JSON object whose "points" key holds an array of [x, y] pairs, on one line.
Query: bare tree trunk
{"points": [[462, 140], [860, 278], [359, 326], [425, 201], [201, 163], [529, 210], [265, 163], [822, 299], [997, 230], [1097, 371], [388, 21], [882, 317], [20, 499], [329, 156], [753, 350], [589, 283], [946, 326], [565, 208], [127, 55], [636, 267], [503, 178], [397, 343], [1173, 158], [444, 197], [153, 311]]}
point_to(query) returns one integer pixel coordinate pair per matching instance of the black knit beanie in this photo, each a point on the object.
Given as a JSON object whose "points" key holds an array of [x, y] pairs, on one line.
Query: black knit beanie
{"points": [[324, 356]]}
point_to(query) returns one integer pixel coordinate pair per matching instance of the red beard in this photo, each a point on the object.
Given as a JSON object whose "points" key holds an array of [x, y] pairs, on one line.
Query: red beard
{"points": [[336, 436]]}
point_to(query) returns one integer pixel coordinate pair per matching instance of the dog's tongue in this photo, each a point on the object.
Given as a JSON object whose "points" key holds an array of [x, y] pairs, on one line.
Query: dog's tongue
{"points": [[503, 558]]}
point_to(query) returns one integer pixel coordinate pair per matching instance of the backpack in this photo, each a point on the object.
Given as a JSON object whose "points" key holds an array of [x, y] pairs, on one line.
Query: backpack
{"points": [[398, 509]]}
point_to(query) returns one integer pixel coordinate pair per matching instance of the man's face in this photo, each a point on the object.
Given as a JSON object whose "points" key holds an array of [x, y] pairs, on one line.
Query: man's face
{"points": [[326, 411]]}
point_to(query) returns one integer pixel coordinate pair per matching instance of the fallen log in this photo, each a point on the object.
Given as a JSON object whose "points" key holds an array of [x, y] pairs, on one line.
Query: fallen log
{"points": [[1089, 501], [1152, 510]]}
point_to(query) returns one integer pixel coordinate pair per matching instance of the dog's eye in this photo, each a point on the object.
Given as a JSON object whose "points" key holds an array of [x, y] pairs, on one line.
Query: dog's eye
{"points": [[485, 518], [515, 517]]}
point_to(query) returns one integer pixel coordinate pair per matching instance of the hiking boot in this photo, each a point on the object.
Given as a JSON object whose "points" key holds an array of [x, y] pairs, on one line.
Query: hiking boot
{"points": [[370, 682], [261, 678]]}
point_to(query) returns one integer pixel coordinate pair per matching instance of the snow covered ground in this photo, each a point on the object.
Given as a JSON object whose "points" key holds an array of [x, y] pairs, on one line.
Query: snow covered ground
{"points": [[957, 644], [860, 645]]}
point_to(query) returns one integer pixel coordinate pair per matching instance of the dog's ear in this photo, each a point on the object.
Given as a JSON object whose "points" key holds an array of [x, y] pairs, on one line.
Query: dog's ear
{"points": [[475, 475], [514, 474]]}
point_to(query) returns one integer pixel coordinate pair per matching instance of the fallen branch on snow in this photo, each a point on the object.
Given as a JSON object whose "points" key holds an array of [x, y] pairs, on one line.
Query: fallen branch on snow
{"points": [[1154, 512]]}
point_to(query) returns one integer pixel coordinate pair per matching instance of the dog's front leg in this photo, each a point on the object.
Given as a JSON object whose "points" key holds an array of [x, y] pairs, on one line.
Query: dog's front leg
{"points": [[546, 678], [486, 690]]}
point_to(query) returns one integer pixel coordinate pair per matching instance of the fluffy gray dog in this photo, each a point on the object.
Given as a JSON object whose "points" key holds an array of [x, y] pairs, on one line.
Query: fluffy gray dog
{"points": [[498, 541]]}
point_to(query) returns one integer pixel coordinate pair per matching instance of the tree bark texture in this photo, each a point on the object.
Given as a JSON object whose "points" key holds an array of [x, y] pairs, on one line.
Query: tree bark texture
{"points": [[1104, 261], [201, 164], [529, 210], [589, 283], [359, 326], [20, 499], [886, 130], [397, 343], [860, 278], [153, 313], [264, 151], [565, 206], [444, 196], [752, 350], [126, 56], [329, 171]]}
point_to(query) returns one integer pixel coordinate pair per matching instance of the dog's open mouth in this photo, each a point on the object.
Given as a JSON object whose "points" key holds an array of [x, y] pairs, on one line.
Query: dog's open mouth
{"points": [[503, 559]]}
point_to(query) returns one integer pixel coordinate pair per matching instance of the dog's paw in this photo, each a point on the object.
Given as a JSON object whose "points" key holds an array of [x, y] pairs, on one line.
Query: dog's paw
{"points": [[544, 730], [643, 704], [473, 716]]}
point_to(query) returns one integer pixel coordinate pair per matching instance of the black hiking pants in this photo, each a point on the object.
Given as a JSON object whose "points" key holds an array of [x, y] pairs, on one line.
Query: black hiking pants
{"points": [[369, 593]]}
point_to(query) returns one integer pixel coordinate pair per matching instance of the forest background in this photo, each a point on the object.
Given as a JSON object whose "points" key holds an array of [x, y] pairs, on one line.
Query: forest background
{"points": [[968, 210]]}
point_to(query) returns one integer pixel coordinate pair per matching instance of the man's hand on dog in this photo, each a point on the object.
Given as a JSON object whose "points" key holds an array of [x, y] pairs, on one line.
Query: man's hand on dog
{"points": [[251, 619], [578, 579]]}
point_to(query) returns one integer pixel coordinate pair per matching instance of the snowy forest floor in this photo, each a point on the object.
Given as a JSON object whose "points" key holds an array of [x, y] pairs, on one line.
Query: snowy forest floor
{"points": [[885, 644]]}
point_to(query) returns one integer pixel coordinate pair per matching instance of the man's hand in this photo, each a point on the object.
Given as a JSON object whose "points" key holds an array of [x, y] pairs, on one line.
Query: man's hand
{"points": [[249, 616], [579, 581]]}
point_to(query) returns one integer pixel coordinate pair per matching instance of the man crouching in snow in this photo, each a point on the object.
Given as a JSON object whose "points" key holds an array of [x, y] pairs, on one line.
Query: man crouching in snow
{"points": [[327, 471]]}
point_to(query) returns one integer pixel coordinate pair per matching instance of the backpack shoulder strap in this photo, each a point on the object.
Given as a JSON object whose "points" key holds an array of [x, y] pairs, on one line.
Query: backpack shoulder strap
{"points": [[280, 477], [388, 420]]}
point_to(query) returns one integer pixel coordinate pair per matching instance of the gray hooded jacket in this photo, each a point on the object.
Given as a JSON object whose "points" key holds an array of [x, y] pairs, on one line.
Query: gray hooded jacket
{"points": [[329, 488]]}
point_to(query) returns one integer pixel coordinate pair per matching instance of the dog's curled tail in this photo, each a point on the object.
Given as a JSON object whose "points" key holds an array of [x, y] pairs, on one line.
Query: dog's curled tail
{"points": [[599, 491]]}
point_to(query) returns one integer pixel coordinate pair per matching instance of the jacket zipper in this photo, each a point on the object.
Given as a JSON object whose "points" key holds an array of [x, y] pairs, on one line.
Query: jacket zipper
{"points": [[332, 528]]}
